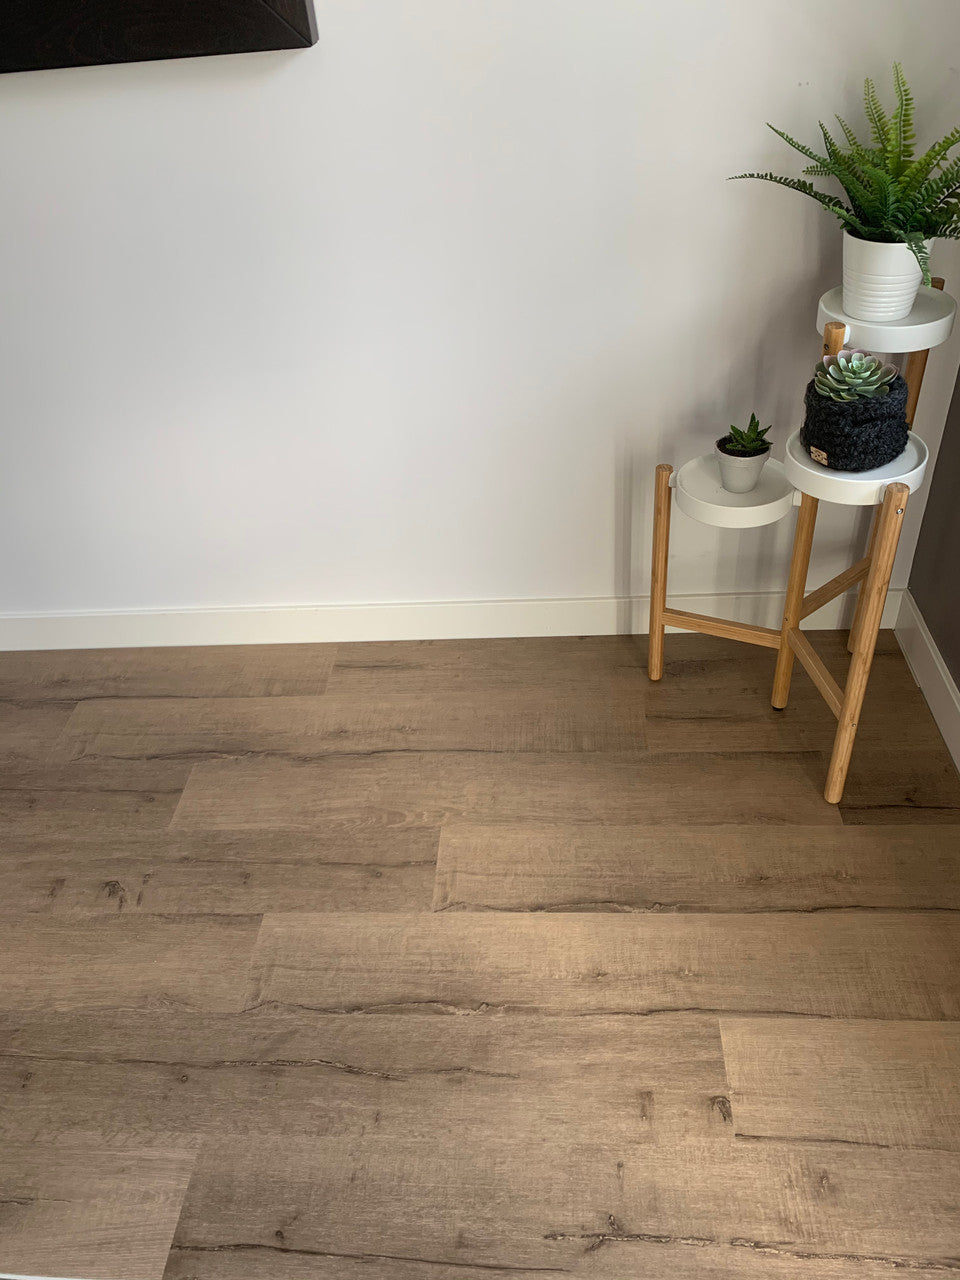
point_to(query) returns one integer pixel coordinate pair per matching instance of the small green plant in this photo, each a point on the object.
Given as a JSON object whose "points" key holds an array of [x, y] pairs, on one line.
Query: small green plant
{"points": [[892, 195], [747, 444], [853, 375]]}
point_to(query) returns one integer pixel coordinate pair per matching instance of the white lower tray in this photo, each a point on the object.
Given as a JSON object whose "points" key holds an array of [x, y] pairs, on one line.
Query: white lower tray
{"points": [[700, 495], [854, 488]]}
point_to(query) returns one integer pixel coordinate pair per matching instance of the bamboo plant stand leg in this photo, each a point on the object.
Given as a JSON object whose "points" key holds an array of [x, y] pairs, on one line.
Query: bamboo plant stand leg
{"points": [[857, 622], [662, 502], [913, 373], [793, 606], [873, 593]]}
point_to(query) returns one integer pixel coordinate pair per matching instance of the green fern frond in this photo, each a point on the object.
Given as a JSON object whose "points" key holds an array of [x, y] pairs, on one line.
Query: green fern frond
{"points": [[833, 203], [879, 124], [857, 148], [901, 137], [854, 179], [883, 209], [798, 146], [919, 171], [927, 197], [916, 241], [890, 195]]}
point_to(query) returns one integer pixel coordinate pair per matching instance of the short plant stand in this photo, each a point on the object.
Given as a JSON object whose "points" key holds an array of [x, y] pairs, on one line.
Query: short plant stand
{"points": [[801, 482]]}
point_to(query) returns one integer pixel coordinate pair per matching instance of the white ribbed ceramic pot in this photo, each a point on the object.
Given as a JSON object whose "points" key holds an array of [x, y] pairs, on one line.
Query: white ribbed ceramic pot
{"points": [[880, 281]]}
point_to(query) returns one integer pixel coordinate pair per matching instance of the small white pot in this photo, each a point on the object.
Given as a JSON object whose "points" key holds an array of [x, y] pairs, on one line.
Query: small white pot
{"points": [[740, 475], [880, 281]]}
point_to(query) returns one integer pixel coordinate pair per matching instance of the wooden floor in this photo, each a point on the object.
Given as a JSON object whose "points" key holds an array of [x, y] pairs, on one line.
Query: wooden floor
{"points": [[466, 961]]}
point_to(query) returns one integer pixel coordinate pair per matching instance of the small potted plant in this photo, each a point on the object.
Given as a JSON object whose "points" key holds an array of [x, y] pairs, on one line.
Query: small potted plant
{"points": [[898, 202], [856, 413], [741, 455]]}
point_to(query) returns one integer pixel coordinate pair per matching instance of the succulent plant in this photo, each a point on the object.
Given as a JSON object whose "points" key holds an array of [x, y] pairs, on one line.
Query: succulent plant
{"points": [[750, 442], [853, 375]]}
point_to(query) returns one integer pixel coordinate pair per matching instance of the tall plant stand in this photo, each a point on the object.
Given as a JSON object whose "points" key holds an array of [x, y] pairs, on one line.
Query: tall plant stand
{"points": [[801, 482]]}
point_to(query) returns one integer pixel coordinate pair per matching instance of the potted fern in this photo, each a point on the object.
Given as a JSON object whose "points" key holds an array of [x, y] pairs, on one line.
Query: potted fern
{"points": [[897, 202], [741, 455], [856, 413]]}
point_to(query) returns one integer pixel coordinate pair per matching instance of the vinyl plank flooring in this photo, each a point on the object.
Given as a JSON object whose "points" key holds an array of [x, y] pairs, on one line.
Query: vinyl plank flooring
{"points": [[198, 962], [84, 1211], [733, 868], [876, 1083], [475, 1202], [201, 1263], [738, 1259], [614, 1260], [167, 1076], [88, 797], [720, 700], [532, 665], [111, 887], [428, 789], [219, 953], [211, 671], [333, 844], [894, 785], [29, 730], [300, 728], [158, 877], [832, 964]]}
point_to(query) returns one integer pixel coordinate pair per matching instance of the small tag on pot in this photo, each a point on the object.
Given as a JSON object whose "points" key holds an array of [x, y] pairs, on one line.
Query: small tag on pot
{"points": [[819, 456]]}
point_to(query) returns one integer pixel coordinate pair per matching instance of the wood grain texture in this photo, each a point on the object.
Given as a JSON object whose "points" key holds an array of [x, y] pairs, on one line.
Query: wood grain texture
{"points": [[885, 1084], [209, 671], [198, 962], [166, 1076], [663, 1259], [821, 964], [80, 1210], [529, 1076], [29, 730], [741, 1259], [347, 844], [80, 881], [300, 728], [431, 668], [716, 696], [569, 867], [88, 797], [744, 633], [364, 1198], [429, 789], [891, 784]]}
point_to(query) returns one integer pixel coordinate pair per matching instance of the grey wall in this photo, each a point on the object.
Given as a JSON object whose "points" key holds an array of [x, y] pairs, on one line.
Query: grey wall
{"points": [[934, 578]]}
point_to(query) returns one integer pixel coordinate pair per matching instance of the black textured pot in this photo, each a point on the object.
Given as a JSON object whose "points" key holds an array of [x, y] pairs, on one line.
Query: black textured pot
{"points": [[855, 435]]}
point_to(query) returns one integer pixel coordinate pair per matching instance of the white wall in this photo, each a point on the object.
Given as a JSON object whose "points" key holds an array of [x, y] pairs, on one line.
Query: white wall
{"points": [[411, 316]]}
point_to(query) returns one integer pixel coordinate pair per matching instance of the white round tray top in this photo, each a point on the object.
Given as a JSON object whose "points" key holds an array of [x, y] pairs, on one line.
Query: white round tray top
{"points": [[854, 488], [700, 495], [928, 324]]}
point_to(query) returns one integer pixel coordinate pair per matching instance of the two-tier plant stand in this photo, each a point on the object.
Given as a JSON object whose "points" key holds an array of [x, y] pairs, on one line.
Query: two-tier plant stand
{"points": [[799, 481]]}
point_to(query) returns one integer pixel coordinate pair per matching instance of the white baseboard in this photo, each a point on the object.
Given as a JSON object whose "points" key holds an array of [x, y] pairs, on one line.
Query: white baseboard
{"points": [[439, 620], [930, 672]]}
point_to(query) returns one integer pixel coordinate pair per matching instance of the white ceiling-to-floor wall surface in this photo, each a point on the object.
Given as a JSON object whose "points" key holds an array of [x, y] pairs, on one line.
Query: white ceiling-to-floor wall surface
{"points": [[411, 316]]}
